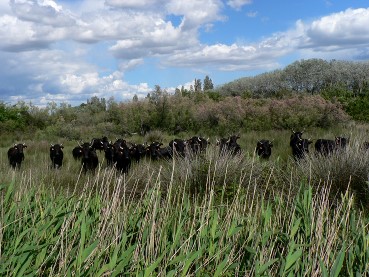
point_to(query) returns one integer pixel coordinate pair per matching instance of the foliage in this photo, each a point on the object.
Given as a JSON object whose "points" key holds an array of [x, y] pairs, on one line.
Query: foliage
{"points": [[305, 76]]}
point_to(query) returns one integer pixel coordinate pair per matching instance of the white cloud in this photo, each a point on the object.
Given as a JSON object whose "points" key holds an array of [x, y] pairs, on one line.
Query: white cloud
{"points": [[350, 27], [134, 4], [196, 13], [45, 12], [53, 44], [333, 33], [238, 4]]}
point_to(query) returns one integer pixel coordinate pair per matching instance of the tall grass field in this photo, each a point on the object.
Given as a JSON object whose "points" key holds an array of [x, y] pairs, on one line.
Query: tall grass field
{"points": [[210, 214]]}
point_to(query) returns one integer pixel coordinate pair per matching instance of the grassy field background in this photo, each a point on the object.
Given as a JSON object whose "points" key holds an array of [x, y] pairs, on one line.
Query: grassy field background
{"points": [[203, 215]]}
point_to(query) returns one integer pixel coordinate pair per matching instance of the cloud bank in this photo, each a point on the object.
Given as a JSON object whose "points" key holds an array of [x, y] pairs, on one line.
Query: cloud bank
{"points": [[60, 51]]}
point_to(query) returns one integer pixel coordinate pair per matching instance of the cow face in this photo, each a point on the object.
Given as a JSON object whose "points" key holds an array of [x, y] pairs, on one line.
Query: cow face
{"points": [[341, 142], [56, 149], [97, 144], [19, 147], [264, 148], [179, 146], [86, 149], [296, 136], [153, 150]]}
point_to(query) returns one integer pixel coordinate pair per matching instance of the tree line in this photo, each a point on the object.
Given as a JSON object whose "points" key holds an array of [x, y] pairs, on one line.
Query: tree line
{"points": [[307, 93]]}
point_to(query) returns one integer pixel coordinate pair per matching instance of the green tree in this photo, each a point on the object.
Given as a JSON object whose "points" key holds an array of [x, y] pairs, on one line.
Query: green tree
{"points": [[208, 83], [197, 85]]}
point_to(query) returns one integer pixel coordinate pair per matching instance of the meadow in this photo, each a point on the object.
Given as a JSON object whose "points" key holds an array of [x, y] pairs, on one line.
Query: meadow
{"points": [[203, 215]]}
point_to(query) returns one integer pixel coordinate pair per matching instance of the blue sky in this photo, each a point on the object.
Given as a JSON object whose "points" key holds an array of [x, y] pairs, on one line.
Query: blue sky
{"points": [[70, 50]]}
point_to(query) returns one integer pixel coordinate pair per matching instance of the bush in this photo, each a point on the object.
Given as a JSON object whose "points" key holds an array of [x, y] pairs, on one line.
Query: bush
{"points": [[343, 170]]}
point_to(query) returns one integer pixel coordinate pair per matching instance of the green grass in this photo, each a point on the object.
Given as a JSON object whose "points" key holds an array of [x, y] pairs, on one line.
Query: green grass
{"points": [[206, 215]]}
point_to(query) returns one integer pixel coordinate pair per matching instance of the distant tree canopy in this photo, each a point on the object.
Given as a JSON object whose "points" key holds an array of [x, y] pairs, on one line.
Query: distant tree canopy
{"points": [[311, 76]]}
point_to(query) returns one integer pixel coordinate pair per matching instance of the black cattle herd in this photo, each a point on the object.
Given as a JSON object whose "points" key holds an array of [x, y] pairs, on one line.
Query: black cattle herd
{"points": [[121, 153]]}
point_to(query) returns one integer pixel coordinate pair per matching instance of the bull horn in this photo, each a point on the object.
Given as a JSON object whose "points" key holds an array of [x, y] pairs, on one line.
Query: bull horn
{"points": [[52, 145]]}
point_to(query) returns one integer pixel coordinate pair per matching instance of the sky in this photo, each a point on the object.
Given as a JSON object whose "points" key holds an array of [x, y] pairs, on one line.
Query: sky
{"points": [[67, 51]]}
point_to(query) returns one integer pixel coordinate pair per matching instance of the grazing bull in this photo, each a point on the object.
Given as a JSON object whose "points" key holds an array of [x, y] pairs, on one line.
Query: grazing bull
{"points": [[56, 155], [138, 151], [89, 158], [16, 155], [229, 144], [264, 148], [178, 146], [98, 144], [122, 157], [198, 144], [301, 149], [295, 137], [109, 154], [152, 150], [327, 146], [165, 153], [232, 144], [299, 146], [77, 152]]}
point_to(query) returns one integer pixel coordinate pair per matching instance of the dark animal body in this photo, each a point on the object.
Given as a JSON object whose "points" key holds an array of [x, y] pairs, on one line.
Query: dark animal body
{"points": [[327, 146], [155, 151], [56, 155], [16, 155], [299, 146], [77, 152], [138, 151], [109, 154], [198, 144], [264, 148], [89, 157], [121, 156], [178, 146], [229, 144], [99, 143]]}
